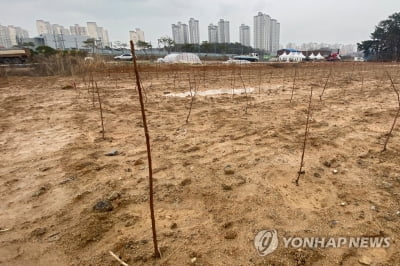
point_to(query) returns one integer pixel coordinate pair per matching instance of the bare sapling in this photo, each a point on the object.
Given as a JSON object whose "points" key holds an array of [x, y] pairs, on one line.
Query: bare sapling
{"points": [[259, 83], [362, 81], [351, 73], [77, 91], [175, 75], [91, 86], [294, 84], [84, 79], [397, 114], [326, 84], [89, 82], [270, 80], [101, 110], [301, 171], [233, 81], [192, 96], [146, 133], [362, 77], [204, 75], [380, 80], [245, 90]]}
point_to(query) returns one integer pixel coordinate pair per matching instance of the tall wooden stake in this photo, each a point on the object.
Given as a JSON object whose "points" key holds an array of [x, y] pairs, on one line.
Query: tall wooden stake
{"points": [[294, 84], [305, 140], [101, 110], [146, 133], [326, 84], [397, 114]]}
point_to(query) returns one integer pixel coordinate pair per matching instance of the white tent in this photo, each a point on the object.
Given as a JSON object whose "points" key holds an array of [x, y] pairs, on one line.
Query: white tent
{"points": [[283, 57], [311, 56], [319, 57], [302, 56], [299, 57], [294, 56], [187, 58]]}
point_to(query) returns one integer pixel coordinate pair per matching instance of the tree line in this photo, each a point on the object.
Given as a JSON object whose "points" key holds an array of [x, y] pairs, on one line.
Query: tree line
{"points": [[384, 44]]}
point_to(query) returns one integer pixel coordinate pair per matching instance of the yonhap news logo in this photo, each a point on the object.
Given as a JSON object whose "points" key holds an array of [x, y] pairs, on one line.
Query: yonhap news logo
{"points": [[267, 241]]}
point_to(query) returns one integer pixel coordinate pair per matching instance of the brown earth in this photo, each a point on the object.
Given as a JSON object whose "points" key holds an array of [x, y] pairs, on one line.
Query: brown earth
{"points": [[53, 167]]}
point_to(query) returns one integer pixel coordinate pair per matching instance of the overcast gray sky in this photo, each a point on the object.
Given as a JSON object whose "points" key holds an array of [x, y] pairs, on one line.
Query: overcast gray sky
{"points": [[330, 21]]}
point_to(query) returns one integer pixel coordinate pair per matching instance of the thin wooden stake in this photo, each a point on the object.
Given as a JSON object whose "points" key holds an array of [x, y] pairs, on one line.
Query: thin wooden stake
{"points": [[233, 81], [101, 110], [305, 139], [326, 84], [192, 95], [245, 90], [146, 133], [294, 84], [397, 114]]}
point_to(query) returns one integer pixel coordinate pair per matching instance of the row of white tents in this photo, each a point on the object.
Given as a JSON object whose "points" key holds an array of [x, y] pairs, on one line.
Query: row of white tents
{"points": [[190, 58], [298, 57]]}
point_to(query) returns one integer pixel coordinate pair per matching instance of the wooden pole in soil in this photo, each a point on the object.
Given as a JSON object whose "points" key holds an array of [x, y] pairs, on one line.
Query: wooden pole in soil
{"points": [[192, 95], [305, 139], [269, 82], [233, 81], [101, 110], [397, 114], [326, 84], [294, 84], [244, 86], [146, 133]]}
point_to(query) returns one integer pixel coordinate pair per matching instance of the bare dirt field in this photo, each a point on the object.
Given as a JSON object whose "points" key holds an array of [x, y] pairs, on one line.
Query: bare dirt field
{"points": [[218, 179]]}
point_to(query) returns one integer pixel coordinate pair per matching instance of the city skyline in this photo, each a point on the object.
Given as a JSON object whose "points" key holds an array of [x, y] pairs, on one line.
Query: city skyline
{"points": [[53, 31], [155, 17], [138, 35]]}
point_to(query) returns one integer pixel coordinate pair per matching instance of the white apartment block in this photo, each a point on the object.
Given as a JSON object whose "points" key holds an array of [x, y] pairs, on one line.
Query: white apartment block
{"points": [[43, 27], [244, 35], [223, 31], [92, 30], [5, 41], [78, 30], [212, 33], [58, 29], [180, 33], [266, 33], [136, 35], [106, 39], [11, 36], [72, 37], [16, 34], [194, 31], [98, 33], [275, 35], [262, 31]]}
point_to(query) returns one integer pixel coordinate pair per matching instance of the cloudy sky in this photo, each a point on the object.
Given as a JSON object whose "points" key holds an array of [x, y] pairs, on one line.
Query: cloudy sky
{"points": [[329, 21]]}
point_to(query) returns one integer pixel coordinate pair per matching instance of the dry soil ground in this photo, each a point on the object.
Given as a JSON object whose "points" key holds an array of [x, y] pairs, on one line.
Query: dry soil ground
{"points": [[53, 167]]}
